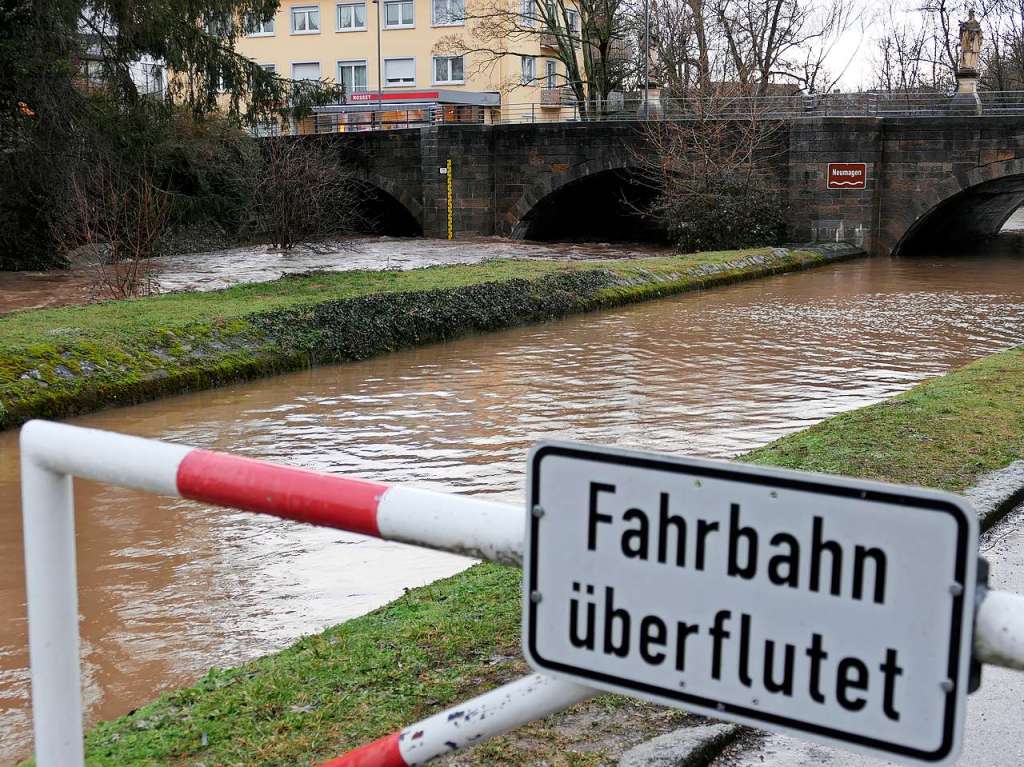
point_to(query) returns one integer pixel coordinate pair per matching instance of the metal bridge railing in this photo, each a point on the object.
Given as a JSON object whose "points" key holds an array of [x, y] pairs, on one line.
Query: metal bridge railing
{"points": [[566, 109]]}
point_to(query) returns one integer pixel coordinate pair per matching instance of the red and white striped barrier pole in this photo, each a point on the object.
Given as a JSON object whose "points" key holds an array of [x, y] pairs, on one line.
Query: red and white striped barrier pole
{"points": [[52, 453], [489, 715]]}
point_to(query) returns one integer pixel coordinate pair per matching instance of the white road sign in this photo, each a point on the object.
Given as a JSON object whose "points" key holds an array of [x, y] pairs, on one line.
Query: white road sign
{"points": [[833, 609]]}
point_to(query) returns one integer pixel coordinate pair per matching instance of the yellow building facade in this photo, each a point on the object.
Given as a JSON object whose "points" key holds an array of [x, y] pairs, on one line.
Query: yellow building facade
{"points": [[384, 53]]}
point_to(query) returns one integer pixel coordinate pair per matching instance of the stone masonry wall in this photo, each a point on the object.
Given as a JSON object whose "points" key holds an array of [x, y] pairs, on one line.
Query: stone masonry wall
{"points": [[967, 172]]}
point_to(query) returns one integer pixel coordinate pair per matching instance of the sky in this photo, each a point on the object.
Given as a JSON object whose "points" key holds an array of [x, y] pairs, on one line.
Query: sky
{"points": [[855, 48]]}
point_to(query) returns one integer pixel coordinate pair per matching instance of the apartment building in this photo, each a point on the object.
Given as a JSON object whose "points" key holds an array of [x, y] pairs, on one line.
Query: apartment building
{"points": [[395, 78]]}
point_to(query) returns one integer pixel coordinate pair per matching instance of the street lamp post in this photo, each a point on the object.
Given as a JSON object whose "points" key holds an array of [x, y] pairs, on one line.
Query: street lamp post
{"points": [[647, 50], [380, 66]]}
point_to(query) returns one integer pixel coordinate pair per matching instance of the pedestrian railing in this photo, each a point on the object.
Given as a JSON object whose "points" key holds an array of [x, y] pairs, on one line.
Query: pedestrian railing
{"points": [[52, 453], [559, 106]]}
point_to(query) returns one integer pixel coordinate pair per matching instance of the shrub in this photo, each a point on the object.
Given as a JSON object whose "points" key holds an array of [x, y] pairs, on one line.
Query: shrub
{"points": [[728, 215], [717, 178], [301, 192], [207, 166]]}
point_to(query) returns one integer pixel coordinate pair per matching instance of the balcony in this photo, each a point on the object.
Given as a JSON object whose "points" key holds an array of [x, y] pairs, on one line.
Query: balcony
{"points": [[549, 40]]}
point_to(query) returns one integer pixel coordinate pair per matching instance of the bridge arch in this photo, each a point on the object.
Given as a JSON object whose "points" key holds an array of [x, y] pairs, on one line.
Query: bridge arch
{"points": [[384, 207], [963, 209], [592, 200]]}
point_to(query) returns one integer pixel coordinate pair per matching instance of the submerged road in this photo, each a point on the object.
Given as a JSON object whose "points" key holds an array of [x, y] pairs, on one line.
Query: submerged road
{"points": [[170, 588]]}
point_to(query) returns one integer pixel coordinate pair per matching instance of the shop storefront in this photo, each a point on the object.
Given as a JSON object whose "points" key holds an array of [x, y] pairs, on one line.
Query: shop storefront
{"points": [[407, 109]]}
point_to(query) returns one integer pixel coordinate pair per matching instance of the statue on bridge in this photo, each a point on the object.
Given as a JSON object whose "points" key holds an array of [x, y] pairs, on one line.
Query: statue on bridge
{"points": [[970, 47], [966, 99]]}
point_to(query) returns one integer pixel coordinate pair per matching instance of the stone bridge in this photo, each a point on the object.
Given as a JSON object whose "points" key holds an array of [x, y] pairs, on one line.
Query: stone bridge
{"points": [[936, 179]]}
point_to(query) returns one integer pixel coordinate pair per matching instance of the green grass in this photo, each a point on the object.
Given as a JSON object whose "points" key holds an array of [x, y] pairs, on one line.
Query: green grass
{"points": [[440, 644], [943, 433], [60, 362], [143, 315]]}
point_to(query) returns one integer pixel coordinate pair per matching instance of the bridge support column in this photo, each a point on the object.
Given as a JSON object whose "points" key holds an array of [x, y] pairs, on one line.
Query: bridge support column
{"points": [[470, 148], [819, 214]]}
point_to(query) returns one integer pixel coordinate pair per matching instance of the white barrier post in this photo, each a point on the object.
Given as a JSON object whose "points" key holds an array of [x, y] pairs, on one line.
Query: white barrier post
{"points": [[486, 716], [52, 453], [52, 590], [999, 630]]}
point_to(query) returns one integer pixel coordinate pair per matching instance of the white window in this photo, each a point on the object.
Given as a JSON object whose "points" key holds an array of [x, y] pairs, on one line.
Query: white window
{"points": [[352, 76], [399, 72], [448, 12], [574, 23], [398, 13], [306, 20], [272, 68], [351, 17], [550, 70], [528, 66], [306, 71], [265, 129], [528, 11], [94, 72], [256, 28], [448, 69]]}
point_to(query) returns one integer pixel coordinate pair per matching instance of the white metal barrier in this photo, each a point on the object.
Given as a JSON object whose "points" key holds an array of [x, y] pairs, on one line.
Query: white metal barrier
{"points": [[52, 453]]}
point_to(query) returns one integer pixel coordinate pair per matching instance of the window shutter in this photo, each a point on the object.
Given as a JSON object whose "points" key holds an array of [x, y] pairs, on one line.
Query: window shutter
{"points": [[306, 71]]}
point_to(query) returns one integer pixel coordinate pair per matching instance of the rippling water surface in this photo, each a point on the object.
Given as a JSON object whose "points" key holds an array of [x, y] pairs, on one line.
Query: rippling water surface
{"points": [[262, 263], [170, 588]]}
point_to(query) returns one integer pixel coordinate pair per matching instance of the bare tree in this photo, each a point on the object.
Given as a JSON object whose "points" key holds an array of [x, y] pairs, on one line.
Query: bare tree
{"points": [[1003, 55], [301, 192], [587, 37], [920, 49], [898, 59], [118, 215], [772, 39], [716, 183], [747, 45], [681, 56], [829, 23]]}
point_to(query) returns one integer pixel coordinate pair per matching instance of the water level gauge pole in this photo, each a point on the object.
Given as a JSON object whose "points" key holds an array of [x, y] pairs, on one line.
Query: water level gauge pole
{"points": [[647, 52], [380, 69], [451, 218]]}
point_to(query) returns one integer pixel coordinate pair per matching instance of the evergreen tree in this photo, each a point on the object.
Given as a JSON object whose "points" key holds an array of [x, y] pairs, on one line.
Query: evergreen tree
{"points": [[70, 96]]}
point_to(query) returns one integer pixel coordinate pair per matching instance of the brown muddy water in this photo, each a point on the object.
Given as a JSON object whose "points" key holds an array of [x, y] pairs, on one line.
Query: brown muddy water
{"points": [[262, 263], [170, 588]]}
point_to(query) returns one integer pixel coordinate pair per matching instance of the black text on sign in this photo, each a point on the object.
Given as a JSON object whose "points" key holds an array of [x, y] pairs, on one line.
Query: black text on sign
{"points": [[832, 609]]}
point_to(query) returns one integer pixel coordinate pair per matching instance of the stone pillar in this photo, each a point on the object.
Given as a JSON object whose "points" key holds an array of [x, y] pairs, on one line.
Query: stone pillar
{"points": [[817, 213], [435, 184], [470, 148]]}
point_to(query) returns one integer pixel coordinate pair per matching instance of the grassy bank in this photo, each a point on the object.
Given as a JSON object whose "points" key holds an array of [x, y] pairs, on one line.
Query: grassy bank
{"points": [[60, 362], [455, 638]]}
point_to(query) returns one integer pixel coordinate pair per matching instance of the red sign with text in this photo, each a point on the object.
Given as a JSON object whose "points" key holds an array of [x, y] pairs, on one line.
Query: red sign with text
{"points": [[399, 96], [847, 175]]}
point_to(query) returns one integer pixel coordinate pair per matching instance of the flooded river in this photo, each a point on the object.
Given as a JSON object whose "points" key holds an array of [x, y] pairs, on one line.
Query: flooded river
{"points": [[262, 263], [170, 588]]}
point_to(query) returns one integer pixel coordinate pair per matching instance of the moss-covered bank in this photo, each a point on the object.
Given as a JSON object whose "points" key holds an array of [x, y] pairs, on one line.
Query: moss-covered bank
{"points": [[444, 642], [60, 362]]}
